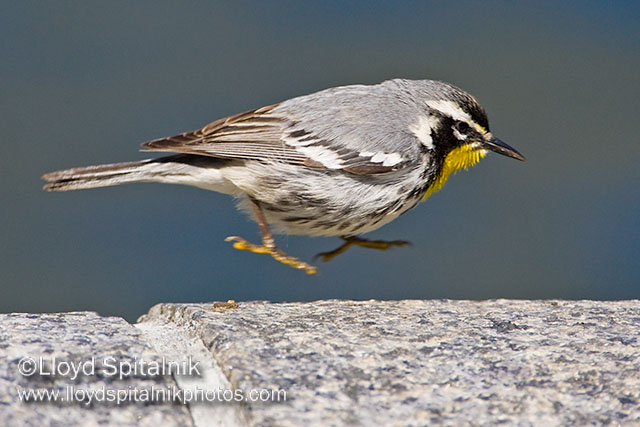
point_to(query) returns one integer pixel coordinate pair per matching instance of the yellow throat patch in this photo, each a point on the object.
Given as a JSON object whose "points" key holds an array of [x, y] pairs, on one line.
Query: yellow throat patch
{"points": [[459, 158]]}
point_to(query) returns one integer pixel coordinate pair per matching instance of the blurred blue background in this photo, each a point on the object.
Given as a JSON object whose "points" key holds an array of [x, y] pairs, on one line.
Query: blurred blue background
{"points": [[85, 82]]}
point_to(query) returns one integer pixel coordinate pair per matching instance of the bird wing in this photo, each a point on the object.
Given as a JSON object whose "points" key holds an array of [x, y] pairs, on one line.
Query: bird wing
{"points": [[251, 135], [273, 134]]}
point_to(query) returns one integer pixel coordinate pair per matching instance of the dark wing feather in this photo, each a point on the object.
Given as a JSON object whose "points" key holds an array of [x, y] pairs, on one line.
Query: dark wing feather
{"points": [[255, 134]]}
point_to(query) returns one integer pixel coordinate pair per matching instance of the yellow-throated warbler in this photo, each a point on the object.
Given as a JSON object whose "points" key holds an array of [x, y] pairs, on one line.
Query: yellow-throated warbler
{"points": [[339, 162]]}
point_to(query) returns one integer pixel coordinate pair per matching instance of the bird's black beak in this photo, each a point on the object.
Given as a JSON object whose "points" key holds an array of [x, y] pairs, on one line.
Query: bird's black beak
{"points": [[501, 147]]}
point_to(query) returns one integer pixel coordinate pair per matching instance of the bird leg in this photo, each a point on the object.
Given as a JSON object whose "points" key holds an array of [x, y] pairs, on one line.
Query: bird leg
{"points": [[349, 241], [268, 244]]}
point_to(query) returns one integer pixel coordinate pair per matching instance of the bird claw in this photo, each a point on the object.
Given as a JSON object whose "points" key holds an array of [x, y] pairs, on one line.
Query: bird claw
{"points": [[381, 245], [274, 251], [242, 245]]}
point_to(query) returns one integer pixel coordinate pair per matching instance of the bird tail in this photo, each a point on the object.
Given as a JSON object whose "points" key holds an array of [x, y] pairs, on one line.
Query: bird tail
{"points": [[200, 171], [187, 169], [98, 176]]}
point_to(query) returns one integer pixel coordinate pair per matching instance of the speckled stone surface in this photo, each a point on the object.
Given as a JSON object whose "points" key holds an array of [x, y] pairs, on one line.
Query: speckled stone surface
{"points": [[413, 362], [427, 362], [84, 339]]}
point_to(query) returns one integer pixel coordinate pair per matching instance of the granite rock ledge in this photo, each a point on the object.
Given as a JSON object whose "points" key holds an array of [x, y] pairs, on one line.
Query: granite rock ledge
{"points": [[407, 362]]}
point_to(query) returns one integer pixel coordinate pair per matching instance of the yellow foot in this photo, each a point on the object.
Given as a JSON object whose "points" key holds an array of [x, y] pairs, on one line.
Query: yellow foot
{"points": [[241, 244], [381, 245]]}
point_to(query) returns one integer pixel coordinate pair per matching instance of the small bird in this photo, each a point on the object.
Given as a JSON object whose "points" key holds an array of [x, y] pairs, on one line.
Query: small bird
{"points": [[340, 162]]}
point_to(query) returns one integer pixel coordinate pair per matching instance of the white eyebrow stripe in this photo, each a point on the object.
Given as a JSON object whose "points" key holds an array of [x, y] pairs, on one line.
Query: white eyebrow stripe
{"points": [[450, 109], [479, 128]]}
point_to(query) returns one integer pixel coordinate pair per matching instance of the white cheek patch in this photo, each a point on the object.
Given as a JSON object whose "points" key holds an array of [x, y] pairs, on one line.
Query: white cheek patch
{"points": [[422, 130]]}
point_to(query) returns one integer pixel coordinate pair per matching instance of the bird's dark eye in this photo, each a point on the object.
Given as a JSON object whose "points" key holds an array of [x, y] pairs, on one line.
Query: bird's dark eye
{"points": [[462, 127]]}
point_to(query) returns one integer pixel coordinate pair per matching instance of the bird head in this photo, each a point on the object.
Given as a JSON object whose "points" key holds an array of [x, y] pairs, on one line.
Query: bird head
{"points": [[459, 133]]}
